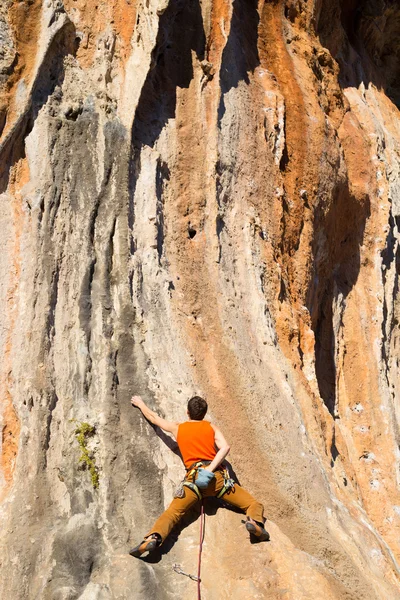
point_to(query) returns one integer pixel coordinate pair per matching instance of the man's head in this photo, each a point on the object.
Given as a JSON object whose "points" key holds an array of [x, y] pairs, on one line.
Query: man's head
{"points": [[197, 408]]}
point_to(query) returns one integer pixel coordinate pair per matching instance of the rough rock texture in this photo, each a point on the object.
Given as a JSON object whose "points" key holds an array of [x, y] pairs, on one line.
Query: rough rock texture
{"points": [[200, 196]]}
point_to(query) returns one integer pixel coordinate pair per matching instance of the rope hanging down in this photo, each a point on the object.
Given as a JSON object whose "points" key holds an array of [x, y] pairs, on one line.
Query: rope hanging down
{"points": [[178, 569], [202, 531]]}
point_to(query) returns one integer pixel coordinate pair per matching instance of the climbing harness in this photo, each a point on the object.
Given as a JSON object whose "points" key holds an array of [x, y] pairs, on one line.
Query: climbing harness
{"points": [[190, 479]]}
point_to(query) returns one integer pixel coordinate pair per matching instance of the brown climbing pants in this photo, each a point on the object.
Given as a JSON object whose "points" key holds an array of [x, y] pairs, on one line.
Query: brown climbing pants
{"points": [[238, 497]]}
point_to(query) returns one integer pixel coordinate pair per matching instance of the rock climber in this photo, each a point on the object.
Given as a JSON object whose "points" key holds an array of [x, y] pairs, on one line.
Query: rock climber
{"points": [[203, 449]]}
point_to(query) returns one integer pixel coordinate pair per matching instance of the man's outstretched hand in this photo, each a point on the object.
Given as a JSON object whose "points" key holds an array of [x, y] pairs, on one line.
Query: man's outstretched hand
{"points": [[170, 427], [137, 401]]}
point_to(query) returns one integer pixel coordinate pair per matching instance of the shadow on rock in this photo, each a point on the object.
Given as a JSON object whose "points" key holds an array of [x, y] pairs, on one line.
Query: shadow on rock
{"points": [[370, 48]]}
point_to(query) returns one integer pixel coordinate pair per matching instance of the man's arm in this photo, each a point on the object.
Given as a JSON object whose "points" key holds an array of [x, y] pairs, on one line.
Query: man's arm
{"points": [[151, 416], [223, 449]]}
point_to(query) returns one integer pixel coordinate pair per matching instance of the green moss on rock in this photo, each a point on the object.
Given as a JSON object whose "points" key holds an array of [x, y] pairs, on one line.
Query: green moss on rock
{"points": [[82, 432]]}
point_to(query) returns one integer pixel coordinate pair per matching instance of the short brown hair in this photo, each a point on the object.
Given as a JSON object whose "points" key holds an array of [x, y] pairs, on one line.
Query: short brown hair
{"points": [[197, 408]]}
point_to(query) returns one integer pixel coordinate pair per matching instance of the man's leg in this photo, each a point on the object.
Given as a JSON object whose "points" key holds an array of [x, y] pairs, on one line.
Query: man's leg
{"points": [[175, 511], [254, 510], [241, 498], [165, 523]]}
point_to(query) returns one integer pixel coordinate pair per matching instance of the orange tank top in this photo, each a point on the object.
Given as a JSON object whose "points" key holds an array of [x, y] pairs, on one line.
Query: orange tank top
{"points": [[196, 441]]}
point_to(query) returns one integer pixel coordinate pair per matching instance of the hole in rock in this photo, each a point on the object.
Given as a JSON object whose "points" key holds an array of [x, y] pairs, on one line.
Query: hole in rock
{"points": [[192, 232], [291, 13], [220, 223], [334, 452]]}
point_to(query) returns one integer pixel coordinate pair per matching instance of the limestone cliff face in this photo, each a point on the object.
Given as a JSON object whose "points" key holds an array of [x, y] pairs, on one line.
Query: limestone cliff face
{"points": [[200, 196]]}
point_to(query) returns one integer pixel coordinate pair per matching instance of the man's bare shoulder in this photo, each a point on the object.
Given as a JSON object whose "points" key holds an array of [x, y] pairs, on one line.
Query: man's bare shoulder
{"points": [[214, 427]]}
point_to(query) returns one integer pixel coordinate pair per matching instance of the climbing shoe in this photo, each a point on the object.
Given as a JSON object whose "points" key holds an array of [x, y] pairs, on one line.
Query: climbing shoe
{"points": [[257, 529], [147, 545]]}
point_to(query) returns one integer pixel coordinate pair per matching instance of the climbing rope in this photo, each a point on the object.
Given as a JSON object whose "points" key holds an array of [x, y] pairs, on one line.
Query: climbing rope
{"points": [[178, 568], [202, 531]]}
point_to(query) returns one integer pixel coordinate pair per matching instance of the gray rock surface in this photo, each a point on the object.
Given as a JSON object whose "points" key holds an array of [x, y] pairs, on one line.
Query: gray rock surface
{"points": [[199, 197]]}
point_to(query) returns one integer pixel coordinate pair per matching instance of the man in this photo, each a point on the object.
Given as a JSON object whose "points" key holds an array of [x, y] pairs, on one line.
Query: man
{"points": [[203, 449]]}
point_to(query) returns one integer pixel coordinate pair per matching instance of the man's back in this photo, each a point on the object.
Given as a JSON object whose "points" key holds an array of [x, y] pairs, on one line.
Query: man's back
{"points": [[196, 441]]}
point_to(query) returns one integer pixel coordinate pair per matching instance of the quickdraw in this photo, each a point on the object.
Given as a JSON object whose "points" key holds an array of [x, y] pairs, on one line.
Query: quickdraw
{"points": [[178, 569], [229, 483], [190, 478]]}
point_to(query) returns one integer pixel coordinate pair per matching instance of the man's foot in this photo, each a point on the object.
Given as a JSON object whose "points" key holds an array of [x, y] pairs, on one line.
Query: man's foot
{"points": [[147, 546], [257, 529]]}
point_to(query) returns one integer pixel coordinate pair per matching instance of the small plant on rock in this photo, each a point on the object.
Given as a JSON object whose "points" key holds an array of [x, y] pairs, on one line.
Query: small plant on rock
{"points": [[83, 432]]}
